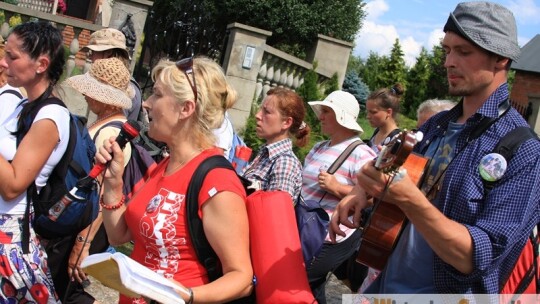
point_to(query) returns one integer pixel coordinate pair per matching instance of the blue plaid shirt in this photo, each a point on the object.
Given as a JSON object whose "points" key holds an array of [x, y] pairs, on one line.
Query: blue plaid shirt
{"points": [[277, 168], [500, 223]]}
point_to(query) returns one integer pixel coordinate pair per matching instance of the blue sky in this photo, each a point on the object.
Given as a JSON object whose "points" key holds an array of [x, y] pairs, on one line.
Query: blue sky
{"points": [[419, 23]]}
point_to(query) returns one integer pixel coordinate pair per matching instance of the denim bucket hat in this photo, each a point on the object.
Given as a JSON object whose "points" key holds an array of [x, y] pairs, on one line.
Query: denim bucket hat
{"points": [[488, 25]]}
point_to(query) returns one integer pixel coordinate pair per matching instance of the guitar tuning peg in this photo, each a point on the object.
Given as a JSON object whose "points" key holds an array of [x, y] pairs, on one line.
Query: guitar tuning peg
{"points": [[419, 136]]}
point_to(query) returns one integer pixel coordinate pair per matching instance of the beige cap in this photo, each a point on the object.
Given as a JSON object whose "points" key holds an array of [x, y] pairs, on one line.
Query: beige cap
{"points": [[107, 39]]}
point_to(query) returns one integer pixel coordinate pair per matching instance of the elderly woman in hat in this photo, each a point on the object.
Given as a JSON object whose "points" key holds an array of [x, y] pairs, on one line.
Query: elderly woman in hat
{"points": [[337, 113], [276, 167], [106, 90], [111, 43]]}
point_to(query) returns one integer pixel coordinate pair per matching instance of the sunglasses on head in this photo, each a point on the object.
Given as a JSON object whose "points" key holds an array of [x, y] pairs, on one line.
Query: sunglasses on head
{"points": [[186, 65]]}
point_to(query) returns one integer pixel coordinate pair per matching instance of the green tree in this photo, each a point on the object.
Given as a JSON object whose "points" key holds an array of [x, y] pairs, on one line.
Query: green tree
{"points": [[419, 77], [395, 70], [331, 85], [184, 28], [356, 64], [438, 82], [372, 71], [295, 24], [354, 85], [309, 91]]}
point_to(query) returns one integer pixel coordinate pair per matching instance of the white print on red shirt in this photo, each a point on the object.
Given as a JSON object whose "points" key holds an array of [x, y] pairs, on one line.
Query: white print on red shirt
{"points": [[157, 225]]}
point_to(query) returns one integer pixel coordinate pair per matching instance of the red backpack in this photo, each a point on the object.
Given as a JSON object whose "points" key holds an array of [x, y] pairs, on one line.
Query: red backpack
{"points": [[525, 277]]}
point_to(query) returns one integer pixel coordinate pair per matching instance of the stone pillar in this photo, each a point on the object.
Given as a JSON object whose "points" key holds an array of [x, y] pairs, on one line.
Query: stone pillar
{"points": [[332, 56], [242, 62]]}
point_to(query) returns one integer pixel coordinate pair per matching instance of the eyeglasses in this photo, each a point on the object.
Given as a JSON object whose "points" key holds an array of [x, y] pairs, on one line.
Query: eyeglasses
{"points": [[186, 66]]}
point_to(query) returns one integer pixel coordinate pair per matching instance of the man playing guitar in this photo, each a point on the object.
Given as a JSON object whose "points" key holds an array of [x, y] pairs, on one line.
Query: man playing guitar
{"points": [[459, 240]]}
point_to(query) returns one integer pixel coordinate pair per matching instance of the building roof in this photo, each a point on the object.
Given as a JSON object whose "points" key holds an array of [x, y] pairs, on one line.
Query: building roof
{"points": [[529, 60]]}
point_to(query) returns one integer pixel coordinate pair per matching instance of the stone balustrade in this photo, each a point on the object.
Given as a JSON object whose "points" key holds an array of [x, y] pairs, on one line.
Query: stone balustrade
{"points": [[71, 28], [281, 69], [40, 5]]}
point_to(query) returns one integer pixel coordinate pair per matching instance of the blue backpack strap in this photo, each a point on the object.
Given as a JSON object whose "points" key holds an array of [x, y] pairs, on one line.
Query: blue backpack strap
{"points": [[28, 114]]}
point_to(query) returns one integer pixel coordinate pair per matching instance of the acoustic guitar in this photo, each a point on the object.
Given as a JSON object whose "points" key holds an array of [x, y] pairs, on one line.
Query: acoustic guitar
{"points": [[382, 228]]}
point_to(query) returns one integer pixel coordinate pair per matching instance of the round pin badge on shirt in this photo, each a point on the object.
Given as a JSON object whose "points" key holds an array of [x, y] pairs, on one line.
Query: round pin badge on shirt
{"points": [[154, 203], [492, 167]]}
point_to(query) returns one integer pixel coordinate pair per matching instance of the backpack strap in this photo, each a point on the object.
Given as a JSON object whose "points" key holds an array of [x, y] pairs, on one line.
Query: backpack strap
{"points": [[343, 156], [486, 122], [205, 254], [114, 123], [25, 123], [508, 146], [13, 92]]}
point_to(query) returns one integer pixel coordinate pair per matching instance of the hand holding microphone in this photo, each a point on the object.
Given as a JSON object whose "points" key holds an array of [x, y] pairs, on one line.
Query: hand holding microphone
{"points": [[129, 131]]}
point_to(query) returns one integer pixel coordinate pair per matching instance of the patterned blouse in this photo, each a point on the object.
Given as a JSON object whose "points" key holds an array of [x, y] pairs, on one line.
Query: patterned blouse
{"points": [[276, 167]]}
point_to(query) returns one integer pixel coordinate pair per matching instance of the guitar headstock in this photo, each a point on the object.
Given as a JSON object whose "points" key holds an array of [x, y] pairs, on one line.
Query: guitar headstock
{"points": [[394, 153]]}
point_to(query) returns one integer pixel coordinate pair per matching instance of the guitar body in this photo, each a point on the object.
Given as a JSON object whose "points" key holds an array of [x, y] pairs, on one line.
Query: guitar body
{"points": [[383, 227]]}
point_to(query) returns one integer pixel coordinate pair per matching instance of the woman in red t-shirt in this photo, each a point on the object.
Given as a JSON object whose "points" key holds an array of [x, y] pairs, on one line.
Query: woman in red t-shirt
{"points": [[186, 105]]}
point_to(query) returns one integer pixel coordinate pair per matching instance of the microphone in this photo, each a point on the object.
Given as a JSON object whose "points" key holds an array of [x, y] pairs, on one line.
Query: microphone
{"points": [[130, 130]]}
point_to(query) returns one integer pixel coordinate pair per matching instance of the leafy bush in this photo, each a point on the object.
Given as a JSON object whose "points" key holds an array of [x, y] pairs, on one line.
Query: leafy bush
{"points": [[250, 135]]}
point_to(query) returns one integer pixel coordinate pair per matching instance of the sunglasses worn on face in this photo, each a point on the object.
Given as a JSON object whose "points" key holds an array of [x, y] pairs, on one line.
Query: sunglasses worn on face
{"points": [[186, 65]]}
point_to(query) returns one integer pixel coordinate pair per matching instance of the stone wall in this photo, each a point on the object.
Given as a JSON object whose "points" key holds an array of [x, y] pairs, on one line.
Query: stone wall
{"points": [[331, 55], [252, 67]]}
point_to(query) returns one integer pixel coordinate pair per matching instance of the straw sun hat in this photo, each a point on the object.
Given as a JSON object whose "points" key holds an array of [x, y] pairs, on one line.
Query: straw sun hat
{"points": [[106, 82]]}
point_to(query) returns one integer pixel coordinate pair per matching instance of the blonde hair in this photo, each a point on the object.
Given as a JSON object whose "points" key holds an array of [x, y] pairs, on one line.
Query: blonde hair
{"points": [[214, 95]]}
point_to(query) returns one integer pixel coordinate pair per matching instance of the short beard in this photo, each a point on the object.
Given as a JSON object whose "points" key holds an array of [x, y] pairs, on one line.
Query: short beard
{"points": [[457, 91]]}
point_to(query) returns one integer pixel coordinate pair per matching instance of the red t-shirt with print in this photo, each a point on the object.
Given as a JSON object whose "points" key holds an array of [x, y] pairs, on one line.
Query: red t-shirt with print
{"points": [[156, 218]]}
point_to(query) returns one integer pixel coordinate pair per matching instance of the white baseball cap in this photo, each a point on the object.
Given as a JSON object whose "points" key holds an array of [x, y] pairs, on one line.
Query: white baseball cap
{"points": [[345, 107]]}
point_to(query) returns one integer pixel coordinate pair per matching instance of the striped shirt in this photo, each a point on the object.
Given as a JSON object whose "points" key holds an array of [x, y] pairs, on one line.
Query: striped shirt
{"points": [[322, 155], [277, 168]]}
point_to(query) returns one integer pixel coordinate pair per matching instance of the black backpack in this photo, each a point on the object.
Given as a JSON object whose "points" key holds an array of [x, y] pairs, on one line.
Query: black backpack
{"points": [[49, 220], [205, 254], [507, 147]]}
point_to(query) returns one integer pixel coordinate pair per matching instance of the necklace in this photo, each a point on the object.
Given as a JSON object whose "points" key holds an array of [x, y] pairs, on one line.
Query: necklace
{"points": [[181, 164], [99, 120]]}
